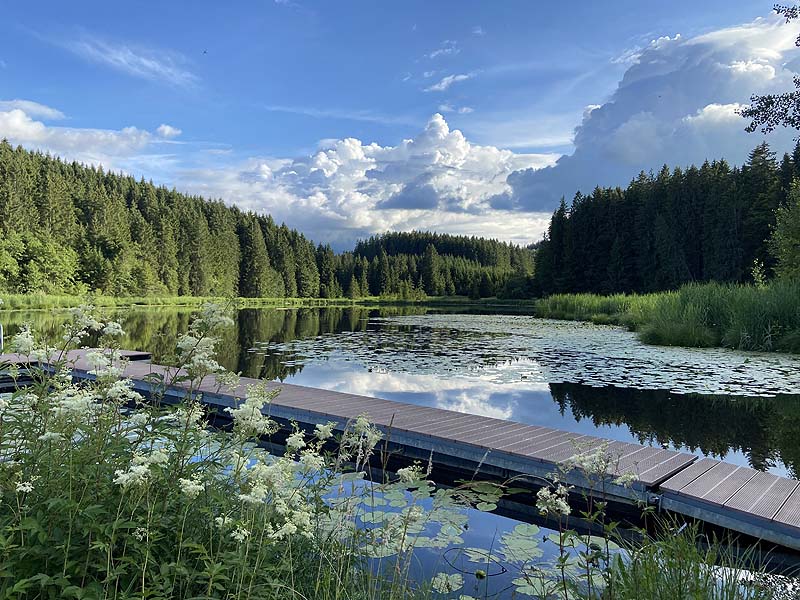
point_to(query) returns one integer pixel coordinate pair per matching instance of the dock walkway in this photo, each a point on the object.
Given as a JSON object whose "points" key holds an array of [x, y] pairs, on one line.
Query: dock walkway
{"points": [[738, 498]]}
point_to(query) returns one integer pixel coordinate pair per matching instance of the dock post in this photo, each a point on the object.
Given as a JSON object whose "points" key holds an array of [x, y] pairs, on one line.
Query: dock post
{"points": [[1, 337]]}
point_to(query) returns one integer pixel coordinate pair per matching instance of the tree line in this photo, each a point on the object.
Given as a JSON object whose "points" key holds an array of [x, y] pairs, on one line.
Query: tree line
{"points": [[709, 223], [66, 228]]}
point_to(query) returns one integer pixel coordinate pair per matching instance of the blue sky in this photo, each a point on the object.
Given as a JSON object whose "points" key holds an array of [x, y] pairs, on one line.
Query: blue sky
{"points": [[301, 108]]}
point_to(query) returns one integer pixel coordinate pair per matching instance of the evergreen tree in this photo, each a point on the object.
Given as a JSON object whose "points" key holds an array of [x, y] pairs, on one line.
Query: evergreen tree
{"points": [[784, 242], [432, 279], [255, 269]]}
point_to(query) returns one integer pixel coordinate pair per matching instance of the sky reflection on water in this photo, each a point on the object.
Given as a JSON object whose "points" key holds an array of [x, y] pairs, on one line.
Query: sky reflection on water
{"points": [[513, 367]]}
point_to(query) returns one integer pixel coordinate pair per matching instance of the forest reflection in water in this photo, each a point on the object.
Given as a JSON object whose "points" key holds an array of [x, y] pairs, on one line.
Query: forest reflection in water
{"points": [[412, 354]]}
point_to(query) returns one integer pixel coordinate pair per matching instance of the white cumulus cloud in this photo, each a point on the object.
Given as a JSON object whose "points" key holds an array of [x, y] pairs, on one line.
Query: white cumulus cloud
{"points": [[350, 188], [168, 131], [676, 104], [33, 109], [129, 148]]}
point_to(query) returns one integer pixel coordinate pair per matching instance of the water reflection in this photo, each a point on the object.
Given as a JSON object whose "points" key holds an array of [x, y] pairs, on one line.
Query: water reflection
{"points": [[507, 367]]}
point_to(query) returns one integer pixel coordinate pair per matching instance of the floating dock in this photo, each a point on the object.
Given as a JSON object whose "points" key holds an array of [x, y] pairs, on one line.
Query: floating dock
{"points": [[740, 499]]}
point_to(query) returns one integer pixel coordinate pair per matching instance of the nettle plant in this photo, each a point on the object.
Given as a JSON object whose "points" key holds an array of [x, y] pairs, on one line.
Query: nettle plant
{"points": [[107, 494]]}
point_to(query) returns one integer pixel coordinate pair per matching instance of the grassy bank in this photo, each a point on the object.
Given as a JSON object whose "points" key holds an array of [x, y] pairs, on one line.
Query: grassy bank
{"points": [[744, 317], [45, 301]]}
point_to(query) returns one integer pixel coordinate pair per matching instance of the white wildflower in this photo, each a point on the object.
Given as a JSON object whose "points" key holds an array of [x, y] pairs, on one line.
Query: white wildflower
{"points": [[4, 404], [136, 475], [122, 390], [596, 462], [196, 354], [261, 393], [228, 379], [302, 520], [409, 474], [285, 530], [553, 502], [51, 436], [248, 417], [113, 329], [139, 533], [83, 318], [139, 419], [154, 457], [189, 415], [359, 440], [41, 355], [447, 584], [75, 403], [324, 432], [73, 338], [222, 522], [192, 487], [311, 461], [212, 316], [24, 487], [626, 479], [102, 364], [23, 342], [295, 442], [240, 534]]}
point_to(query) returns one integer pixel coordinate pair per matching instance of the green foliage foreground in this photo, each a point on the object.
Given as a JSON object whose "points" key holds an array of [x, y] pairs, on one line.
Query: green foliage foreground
{"points": [[744, 317], [104, 495]]}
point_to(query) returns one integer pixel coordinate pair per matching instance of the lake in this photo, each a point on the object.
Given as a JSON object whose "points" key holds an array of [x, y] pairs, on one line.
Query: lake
{"points": [[584, 378]]}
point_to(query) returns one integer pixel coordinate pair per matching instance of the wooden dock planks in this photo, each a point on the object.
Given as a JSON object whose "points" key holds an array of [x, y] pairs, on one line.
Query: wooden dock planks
{"points": [[743, 499]]}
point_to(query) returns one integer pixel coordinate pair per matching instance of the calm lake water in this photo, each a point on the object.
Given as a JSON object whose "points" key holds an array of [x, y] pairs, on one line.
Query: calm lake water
{"points": [[741, 407]]}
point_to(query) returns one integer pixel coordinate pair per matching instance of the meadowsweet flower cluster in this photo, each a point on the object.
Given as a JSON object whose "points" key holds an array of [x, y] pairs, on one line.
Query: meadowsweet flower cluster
{"points": [[191, 487], [626, 479], [359, 441], [139, 471], [248, 417], [24, 487], [324, 431], [23, 342], [84, 318], [104, 364], [121, 390], [197, 355], [553, 501], [410, 474], [240, 534], [595, 462], [190, 415], [113, 329], [75, 403]]}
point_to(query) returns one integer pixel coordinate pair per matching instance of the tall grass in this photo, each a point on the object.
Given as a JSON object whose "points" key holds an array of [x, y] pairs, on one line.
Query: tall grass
{"points": [[745, 317], [685, 564]]}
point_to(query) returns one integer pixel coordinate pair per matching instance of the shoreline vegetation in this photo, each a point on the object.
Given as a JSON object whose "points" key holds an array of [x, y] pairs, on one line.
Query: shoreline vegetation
{"points": [[108, 494], [47, 301], [764, 318]]}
